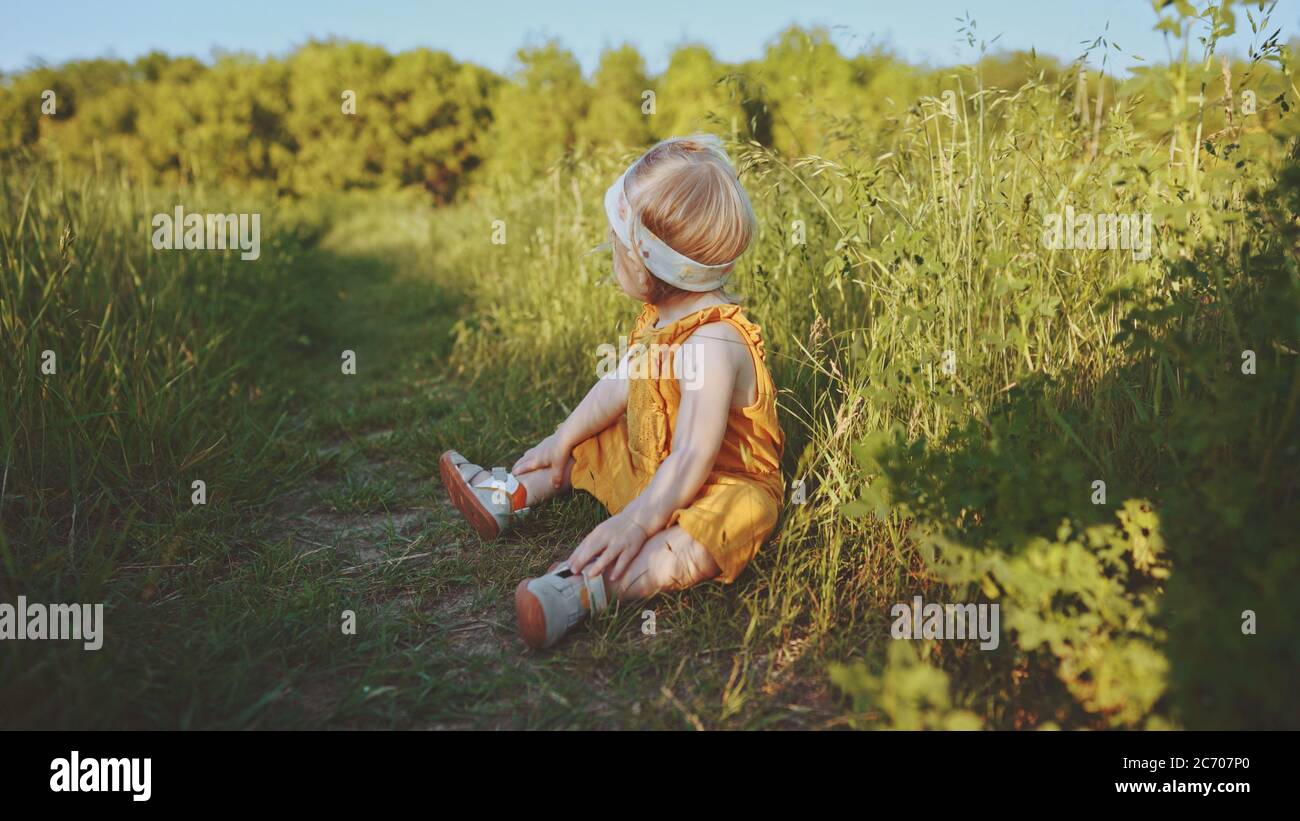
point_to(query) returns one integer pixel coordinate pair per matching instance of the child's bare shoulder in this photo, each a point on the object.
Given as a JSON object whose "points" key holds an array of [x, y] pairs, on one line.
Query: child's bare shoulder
{"points": [[720, 344], [720, 339]]}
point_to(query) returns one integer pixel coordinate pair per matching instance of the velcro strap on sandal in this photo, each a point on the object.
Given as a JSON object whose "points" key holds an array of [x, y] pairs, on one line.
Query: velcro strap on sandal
{"points": [[596, 593], [514, 493]]}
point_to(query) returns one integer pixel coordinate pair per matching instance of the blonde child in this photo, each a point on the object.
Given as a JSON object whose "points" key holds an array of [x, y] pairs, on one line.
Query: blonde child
{"points": [[681, 443]]}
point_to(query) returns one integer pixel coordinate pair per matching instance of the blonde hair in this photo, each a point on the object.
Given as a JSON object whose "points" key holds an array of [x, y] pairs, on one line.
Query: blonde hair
{"points": [[685, 191]]}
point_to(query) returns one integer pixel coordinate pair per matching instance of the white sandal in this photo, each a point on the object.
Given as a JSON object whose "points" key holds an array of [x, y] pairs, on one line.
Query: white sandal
{"points": [[549, 606], [491, 505]]}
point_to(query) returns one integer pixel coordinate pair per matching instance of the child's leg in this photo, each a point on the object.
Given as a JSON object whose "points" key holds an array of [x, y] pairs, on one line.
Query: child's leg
{"points": [[549, 606], [669, 560], [538, 483], [489, 499]]}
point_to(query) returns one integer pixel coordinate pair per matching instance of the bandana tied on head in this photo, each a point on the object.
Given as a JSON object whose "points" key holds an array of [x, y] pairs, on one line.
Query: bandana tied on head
{"points": [[665, 263]]}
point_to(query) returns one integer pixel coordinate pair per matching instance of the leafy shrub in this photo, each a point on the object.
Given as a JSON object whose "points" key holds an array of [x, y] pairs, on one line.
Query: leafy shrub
{"points": [[1148, 601]]}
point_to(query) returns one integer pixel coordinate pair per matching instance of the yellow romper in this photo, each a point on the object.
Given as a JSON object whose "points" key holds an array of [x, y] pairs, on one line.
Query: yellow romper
{"points": [[737, 507]]}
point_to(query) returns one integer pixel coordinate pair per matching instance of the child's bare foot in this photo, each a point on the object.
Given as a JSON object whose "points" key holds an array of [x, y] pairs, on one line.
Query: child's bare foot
{"points": [[488, 499], [549, 606]]}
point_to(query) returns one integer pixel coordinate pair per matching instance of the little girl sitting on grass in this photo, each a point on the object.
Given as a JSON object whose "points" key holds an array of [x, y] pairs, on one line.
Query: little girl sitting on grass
{"points": [[688, 464]]}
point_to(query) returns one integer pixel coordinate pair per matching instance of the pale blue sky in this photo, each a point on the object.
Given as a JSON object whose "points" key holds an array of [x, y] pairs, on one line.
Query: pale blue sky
{"points": [[488, 32]]}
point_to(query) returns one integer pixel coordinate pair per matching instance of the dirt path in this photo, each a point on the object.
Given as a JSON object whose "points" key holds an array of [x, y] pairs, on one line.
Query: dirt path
{"points": [[435, 644]]}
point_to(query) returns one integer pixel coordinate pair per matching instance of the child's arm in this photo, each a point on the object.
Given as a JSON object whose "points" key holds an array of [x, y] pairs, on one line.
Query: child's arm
{"points": [[718, 352], [606, 400]]}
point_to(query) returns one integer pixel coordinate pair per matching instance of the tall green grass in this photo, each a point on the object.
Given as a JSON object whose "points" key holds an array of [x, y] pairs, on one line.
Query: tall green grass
{"points": [[159, 359], [917, 234], [168, 368], [924, 235]]}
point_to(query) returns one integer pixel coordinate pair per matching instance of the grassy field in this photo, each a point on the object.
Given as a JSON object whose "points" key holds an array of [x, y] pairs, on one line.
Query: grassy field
{"points": [[228, 615], [952, 388]]}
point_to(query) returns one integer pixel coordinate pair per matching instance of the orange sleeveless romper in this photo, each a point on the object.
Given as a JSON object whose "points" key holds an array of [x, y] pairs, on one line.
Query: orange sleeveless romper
{"points": [[737, 507]]}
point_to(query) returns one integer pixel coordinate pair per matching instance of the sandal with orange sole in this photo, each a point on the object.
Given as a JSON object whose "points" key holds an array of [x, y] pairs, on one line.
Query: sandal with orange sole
{"points": [[549, 606], [491, 505]]}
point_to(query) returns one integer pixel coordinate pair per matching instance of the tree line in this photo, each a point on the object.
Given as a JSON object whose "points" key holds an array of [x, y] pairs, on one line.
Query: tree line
{"points": [[337, 115]]}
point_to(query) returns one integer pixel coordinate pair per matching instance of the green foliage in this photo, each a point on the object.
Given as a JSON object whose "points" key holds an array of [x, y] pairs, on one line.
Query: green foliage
{"points": [[1154, 602], [150, 349], [270, 125], [924, 235], [902, 215], [537, 115], [425, 121], [1230, 468], [908, 695], [697, 93], [611, 117]]}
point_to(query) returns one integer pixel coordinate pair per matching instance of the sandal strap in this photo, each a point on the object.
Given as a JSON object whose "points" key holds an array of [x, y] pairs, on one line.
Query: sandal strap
{"points": [[499, 479], [467, 470], [596, 597], [508, 490]]}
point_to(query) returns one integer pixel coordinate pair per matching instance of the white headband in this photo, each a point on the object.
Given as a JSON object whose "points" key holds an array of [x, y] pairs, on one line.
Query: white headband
{"points": [[662, 261]]}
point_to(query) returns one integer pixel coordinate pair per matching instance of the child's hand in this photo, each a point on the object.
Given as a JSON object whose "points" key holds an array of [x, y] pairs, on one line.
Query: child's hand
{"points": [[615, 541], [552, 453]]}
